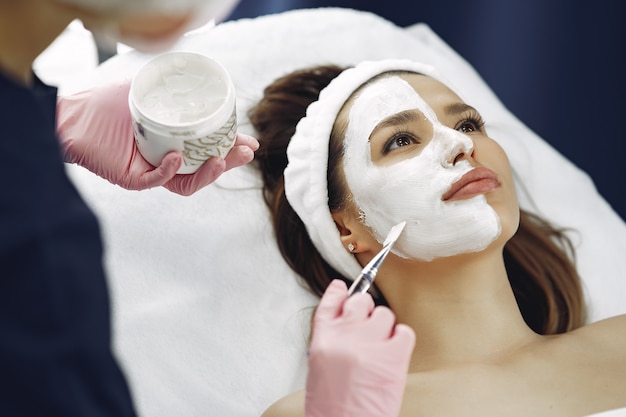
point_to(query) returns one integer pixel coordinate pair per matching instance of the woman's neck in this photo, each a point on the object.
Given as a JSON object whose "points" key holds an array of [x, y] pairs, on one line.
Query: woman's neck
{"points": [[462, 309], [27, 28]]}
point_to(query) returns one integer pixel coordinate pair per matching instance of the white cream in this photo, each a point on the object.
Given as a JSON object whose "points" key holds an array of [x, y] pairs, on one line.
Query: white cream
{"points": [[182, 93], [411, 190]]}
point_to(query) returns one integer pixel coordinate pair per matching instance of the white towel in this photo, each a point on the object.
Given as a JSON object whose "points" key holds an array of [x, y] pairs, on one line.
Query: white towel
{"points": [[618, 412]]}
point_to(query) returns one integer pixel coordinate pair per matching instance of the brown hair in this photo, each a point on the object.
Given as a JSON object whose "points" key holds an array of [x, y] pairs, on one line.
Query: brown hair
{"points": [[538, 258]]}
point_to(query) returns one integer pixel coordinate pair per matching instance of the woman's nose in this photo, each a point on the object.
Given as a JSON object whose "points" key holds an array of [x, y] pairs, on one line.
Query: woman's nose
{"points": [[459, 147]]}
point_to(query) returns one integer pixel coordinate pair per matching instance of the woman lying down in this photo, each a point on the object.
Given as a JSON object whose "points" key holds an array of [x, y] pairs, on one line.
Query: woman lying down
{"points": [[479, 307]]}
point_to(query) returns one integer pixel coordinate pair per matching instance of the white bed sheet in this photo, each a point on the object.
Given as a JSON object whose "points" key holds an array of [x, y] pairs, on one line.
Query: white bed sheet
{"points": [[208, 319], [619, 412]]}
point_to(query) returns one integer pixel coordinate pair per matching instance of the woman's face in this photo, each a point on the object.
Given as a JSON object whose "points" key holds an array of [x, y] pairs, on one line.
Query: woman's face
{"points": [[152, 28], [415, 152]]}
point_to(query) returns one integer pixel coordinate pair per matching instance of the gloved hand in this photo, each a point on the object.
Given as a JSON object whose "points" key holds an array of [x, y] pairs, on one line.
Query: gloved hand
{"points": [[358, 357], [96, 132]]}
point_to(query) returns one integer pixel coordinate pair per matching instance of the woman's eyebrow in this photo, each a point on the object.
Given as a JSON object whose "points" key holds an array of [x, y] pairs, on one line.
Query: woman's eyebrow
{"points": [[404, 117], [458, 108]]}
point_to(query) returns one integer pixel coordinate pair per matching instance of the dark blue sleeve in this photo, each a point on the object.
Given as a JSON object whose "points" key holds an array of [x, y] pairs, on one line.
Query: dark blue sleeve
{"points": [[55, 329]]}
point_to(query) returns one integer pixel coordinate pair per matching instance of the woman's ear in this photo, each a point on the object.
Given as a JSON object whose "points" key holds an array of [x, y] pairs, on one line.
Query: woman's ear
{"points": [[340, 221], [354, 235]]}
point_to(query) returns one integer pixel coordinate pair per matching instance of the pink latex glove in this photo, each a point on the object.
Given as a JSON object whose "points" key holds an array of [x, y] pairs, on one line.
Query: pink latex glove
{"points": [[96, 132], [358, 358]]}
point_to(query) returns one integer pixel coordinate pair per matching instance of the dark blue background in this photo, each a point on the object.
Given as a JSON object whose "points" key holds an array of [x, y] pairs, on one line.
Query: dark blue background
{"points": [[556, 64]]}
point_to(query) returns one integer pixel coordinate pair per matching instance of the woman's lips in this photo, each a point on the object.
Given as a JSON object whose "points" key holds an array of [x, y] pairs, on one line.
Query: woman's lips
{"points": [[478, 181]]}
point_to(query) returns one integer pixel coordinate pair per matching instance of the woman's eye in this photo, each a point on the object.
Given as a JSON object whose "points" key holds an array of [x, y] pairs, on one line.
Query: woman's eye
{"points": [[398, 141], [471, 124], [467, 127]]}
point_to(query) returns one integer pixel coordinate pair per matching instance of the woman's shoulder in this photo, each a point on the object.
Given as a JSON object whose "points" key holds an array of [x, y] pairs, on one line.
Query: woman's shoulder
{"points": [[591, 362], [290, 406], [602, 343], [604, 339], [608, 331]]}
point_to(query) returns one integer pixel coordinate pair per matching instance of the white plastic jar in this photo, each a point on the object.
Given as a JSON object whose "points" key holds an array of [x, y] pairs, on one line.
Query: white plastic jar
{"points": [[183, 101]]}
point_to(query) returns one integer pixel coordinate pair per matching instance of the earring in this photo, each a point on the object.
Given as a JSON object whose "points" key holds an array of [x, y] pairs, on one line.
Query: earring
{"points": [[351, 247]]}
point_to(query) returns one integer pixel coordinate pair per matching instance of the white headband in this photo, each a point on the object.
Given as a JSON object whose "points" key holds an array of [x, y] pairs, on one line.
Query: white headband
{"points": [[306, 186]]}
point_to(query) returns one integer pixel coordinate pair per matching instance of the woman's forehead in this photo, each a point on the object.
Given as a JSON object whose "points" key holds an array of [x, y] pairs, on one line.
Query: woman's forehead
{"points": [[425, 85], [430, 90]]}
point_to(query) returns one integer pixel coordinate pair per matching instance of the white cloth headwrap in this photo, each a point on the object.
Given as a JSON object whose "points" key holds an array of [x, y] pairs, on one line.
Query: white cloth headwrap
{"points": [[306, 186]]}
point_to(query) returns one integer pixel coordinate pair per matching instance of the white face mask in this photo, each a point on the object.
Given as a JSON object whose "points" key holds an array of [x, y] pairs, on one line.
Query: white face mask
{"points": [[206, 14], [411, 190]]}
